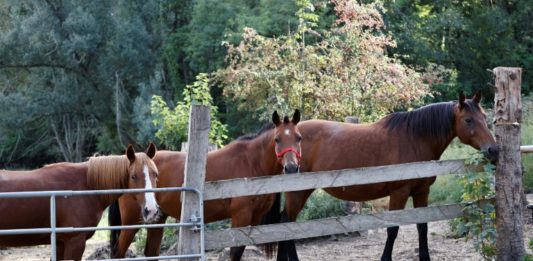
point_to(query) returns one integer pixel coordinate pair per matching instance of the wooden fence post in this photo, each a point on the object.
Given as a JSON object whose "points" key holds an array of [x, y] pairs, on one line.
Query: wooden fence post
{"points": [[509, 190], [199, 125]]}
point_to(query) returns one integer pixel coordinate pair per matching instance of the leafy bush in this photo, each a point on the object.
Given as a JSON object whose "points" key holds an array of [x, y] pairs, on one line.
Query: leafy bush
{"points": [[173, 123], [479, 219], [321, 205]]}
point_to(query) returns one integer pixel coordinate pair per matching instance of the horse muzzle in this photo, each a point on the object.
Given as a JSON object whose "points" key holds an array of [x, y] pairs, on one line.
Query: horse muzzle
{"points": [[491, 152], [291, 168], [151, 215]]}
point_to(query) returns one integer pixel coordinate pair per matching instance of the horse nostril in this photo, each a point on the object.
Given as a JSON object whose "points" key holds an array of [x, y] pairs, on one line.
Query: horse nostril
{"points": [[146, 212], [291, 168], [494, 150]]}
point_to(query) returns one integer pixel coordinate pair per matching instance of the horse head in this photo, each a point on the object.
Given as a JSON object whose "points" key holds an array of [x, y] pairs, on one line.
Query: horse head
{"points": [[471, 126], [143, 174], [287, 140]]}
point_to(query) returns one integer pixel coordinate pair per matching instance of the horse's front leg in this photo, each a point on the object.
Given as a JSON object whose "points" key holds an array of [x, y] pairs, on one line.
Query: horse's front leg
{"points": [[73, 247], [154, 236], [294, 203], [421, 200], [241, 216], [398, 198]]}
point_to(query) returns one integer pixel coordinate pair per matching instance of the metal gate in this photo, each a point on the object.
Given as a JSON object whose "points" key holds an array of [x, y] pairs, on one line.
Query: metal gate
{"points": [[196, 222]]}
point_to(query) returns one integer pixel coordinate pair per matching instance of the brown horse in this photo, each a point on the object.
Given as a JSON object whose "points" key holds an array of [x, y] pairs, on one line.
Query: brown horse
{"points": [[419, 135], [106, 172], [273, 150]]}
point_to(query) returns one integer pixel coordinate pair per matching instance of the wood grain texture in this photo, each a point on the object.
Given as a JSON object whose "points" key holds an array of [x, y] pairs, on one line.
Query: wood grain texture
{"points": [[199, 125], [335, 178], [328, 226], [508, 175]]}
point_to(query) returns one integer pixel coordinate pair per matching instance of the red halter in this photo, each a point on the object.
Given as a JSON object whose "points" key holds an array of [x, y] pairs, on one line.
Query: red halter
{"points": [[289, 149]]}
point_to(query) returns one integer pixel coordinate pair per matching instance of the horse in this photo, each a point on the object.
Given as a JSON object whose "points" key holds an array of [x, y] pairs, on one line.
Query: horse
{"points": [[134, 170], [275, 149], [419, 135]]}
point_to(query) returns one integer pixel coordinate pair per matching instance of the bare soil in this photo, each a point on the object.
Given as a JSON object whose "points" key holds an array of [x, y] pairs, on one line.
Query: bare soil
{"points": [[340, 247]]}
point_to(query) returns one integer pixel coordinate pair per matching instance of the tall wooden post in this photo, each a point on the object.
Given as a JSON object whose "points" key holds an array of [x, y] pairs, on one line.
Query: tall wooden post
{"points": [[509, 190], [199, 125]]}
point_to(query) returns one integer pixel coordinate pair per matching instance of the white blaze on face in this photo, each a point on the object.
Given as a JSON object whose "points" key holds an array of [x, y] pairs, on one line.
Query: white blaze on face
{"points": [[149, 197], [287, 132]]}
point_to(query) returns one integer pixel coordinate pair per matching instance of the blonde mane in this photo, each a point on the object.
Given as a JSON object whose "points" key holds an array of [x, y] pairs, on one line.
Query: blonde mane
{"points": [[108, 172]]}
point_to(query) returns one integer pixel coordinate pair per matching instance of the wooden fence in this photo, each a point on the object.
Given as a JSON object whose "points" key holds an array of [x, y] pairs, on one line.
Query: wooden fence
{"points": [[347, 177]]}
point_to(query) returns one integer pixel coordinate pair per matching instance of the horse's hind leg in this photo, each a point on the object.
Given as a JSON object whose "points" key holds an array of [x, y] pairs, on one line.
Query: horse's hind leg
{"points": [[421, 200], [397, 201]]}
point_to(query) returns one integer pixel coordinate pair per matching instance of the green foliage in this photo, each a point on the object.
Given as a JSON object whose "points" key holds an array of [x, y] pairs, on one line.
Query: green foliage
{"points": [[344, 73], [457, 35], [529, 257], [479, 220], [173, 124], [527, 139], [321, 205]]}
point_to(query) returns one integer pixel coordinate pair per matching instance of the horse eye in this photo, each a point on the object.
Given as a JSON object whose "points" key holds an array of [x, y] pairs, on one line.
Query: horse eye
{"points": [[298, 138], [133, 176], [469, 121], [276, 140]]}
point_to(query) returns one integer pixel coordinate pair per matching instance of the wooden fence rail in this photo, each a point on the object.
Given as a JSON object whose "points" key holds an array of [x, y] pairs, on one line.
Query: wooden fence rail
{"points": [[337, 178], [329, 226]]}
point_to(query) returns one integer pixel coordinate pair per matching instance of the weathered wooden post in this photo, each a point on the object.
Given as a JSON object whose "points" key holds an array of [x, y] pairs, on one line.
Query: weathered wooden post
{"points": [[509, 190], [199, 125]]}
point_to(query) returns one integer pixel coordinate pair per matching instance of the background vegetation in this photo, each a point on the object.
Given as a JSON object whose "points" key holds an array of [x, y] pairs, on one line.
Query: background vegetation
{"points": [[78, 78]]}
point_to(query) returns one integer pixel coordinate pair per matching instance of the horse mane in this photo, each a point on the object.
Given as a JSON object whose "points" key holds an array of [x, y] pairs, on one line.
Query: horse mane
{"points": [[434, 121], [266, 127], [108, 172]]}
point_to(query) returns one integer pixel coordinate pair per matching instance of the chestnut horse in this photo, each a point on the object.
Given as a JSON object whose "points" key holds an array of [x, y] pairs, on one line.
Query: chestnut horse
{"points": [[273, 150], [419, 135], [106, 172]]}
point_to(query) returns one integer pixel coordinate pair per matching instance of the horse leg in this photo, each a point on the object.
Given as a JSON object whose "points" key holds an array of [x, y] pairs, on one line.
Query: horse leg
{"points": [[154, 236], [130, 214], [73, 247], [294, 203], [60, 250], [421, 200], [397, 201], [241, 216]]}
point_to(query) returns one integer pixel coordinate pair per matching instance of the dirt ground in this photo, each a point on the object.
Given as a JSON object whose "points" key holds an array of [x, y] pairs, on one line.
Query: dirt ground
{"points": [[341, 247]]}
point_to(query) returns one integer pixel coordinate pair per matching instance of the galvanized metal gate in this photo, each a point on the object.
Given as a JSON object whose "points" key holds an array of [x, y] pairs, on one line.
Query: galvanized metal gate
{"points": [[196, 222]]}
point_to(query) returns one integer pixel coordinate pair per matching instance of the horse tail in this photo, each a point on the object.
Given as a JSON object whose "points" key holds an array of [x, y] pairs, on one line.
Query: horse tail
{"points": [[273, 216], [113, 218]]}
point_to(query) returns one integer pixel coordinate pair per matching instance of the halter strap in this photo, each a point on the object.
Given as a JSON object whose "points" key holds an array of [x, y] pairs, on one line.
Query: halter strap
{"points": [[289, 149]]}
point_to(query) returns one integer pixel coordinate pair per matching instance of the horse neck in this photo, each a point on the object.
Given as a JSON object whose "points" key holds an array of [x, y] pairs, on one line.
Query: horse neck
{"points": [[426, 148], [255, 157]]}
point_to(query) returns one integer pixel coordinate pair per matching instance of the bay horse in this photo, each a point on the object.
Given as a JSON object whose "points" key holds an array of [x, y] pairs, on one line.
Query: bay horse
{"points": [[134, 170], [273, 150], [419, 135]]}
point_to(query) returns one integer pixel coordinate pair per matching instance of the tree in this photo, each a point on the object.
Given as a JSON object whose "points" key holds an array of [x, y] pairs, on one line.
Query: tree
{"points": [[76, 65], [172, 124], [345, 73]]}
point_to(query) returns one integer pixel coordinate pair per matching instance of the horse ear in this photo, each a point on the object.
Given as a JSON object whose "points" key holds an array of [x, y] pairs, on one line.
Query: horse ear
{"points": [[296, 117], [130, 153], [477, 97], [275, 118], [462, 99], [151, 150]]}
